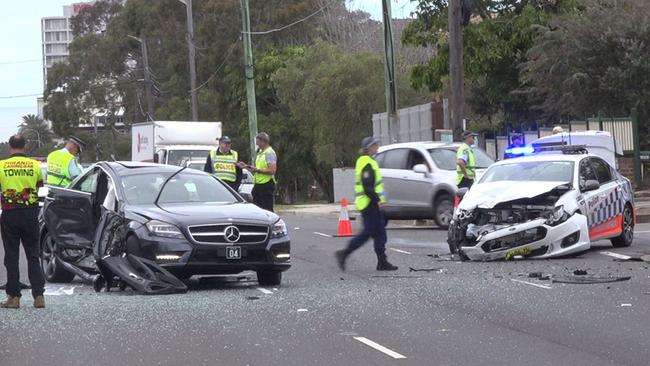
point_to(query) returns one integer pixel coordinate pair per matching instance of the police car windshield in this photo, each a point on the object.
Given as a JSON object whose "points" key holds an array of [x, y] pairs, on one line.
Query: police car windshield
{"points": [[445, 158], [187, 187], [537, 171]]}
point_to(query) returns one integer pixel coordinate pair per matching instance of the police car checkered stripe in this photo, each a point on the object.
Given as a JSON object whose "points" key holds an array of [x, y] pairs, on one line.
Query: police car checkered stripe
{"points": [[612, 206]]}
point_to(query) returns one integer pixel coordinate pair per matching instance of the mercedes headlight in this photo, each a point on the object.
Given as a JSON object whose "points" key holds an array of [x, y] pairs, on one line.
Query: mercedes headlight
{"points": [[557, 216], [279, 229], [163, 229]]}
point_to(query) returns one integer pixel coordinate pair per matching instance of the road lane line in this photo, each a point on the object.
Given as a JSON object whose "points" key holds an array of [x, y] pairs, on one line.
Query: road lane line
{"points": [[379, 347], [532, 284], [265, 291], [616, 255], [642, 232], [321, 234], [400, 251]]}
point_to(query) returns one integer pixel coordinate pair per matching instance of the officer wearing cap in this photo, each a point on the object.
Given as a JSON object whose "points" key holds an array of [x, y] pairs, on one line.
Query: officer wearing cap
{"points": [[266, 165], [62, 166], [369, 201], [20, 178], [222, 162], [465, 162]]}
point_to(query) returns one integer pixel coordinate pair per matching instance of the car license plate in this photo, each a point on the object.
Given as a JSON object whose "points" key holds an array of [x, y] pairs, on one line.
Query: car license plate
{"points": [[233, 252]]}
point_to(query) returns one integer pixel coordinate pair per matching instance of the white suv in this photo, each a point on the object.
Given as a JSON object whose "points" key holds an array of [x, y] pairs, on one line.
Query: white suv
{"points": [[420, 179]]}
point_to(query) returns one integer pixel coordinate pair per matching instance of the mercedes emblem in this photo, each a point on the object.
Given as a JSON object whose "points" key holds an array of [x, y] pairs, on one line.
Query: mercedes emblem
{"points": [[231, 234]]}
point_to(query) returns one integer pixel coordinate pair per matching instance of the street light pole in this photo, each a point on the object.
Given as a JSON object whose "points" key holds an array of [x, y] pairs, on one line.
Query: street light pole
{"points": [[192, 59], [456, 65], [147, 77], [250, 76]]}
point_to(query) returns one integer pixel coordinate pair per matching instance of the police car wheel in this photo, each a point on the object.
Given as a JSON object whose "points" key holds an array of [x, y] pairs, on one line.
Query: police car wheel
{"points": [[443, 210], [627, 235], [52, 270]]}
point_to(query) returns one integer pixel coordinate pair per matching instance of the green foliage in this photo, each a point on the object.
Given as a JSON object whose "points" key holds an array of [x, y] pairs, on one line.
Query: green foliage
{"points": [[38, 135], [494, 45]]}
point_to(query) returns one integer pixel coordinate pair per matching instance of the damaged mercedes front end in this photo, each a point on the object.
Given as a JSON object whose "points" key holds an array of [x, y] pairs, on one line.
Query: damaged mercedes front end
{"points": [[508, 219]]}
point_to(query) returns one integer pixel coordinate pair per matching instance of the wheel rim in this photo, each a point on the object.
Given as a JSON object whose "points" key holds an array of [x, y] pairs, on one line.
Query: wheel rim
{"points": [[444, 212], [49, 264], [628, 225]]}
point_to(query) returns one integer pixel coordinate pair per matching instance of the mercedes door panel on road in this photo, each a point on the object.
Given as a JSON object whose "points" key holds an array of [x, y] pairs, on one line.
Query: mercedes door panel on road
{"points": [[420, 179], [544, 206], [186, 221]]}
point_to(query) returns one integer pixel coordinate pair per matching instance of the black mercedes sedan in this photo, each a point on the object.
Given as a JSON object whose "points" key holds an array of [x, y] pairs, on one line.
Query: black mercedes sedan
{"points": [[186, 221]]}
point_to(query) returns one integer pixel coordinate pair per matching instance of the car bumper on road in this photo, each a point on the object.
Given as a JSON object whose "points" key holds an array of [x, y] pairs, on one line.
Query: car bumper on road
{"points": [[570, 237]]}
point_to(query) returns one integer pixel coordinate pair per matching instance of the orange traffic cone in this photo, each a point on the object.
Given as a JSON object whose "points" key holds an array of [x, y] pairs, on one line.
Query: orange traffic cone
{"points": [[345, 226]]}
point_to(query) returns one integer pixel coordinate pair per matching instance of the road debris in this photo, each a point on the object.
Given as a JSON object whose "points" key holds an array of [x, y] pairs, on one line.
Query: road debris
{"points": [[586, 280], [253, 298], [580, 272], [439, 270]]}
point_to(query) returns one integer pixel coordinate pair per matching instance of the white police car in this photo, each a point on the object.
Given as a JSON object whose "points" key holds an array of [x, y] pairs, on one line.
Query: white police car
{"points": [[545, 205]]}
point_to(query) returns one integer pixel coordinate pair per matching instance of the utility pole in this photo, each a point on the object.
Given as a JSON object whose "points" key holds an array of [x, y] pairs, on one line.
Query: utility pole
{"points": [[456, 65], [147, 77], [192, 59], [389, 61], [250, 76]]}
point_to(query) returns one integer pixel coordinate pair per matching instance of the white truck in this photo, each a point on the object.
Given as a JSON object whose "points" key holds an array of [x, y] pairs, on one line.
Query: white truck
{"points": [[173, 142]]}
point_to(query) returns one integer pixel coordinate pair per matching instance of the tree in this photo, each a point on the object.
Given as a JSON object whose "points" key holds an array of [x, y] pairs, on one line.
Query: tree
{"points": [[595, 61], [495, 44], [37, 133]]}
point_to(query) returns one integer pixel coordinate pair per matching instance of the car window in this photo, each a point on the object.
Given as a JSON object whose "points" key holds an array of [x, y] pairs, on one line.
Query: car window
{"points": [[531, 171], [415, 158], [586, 172], [445, 158], [602, 170], [88, 183], [186, 187], [395, 159], [379, 158]]}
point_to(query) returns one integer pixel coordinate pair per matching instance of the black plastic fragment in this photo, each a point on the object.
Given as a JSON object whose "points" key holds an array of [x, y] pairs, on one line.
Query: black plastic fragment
{"points": [[587, 280], [143, 275]]}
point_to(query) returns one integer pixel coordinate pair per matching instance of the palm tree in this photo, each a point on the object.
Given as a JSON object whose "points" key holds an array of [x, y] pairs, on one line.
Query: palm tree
{"points": [[36, 131]]}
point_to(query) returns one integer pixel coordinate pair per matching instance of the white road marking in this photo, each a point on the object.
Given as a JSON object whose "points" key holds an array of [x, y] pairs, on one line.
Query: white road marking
{"points": [[626, 305], [59, 290], [321, 234], [379, 347], [616, 255], [265, 291], [302, 310], [642, 232], [532, 284], [400, 251]]}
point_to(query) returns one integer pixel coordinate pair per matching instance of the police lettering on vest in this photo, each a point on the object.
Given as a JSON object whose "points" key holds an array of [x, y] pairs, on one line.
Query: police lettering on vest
{"points": [[470, 164], [20, 178], [224, 166], [362, 201], [261, 163], [58, 168]]}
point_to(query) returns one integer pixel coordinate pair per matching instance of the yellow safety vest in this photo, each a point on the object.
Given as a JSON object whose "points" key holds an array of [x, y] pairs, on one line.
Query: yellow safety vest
{"points": [[224, 166], [58, 164], [260, 163], [470, 166], [362, 200], [19, 178]]}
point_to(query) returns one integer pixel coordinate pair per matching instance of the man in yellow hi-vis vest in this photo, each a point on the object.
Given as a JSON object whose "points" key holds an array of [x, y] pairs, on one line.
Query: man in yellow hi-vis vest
{"points": [[465, 162], [62, 166], [266, 165], [222, 162], [20, 178], [370, 199]]}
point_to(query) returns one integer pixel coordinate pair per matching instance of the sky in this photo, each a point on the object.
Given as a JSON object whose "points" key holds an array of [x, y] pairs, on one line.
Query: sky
{"points": [[21, 55]]}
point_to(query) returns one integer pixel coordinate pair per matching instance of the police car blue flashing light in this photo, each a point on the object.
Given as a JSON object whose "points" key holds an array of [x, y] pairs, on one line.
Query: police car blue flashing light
{"points": [[520, 150]]}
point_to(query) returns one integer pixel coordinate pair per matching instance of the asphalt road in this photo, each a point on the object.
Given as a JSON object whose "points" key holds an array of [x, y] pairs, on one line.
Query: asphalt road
{"points": [[455, 314]]}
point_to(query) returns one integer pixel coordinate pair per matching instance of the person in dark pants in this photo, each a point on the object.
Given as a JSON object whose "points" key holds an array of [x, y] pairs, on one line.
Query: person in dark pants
{"points": [[222, 162], [369, 200], [266, 163], [20, 178]]}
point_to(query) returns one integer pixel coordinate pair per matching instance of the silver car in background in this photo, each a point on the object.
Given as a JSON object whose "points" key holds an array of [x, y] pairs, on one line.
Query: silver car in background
{"points": [[420, 179]]}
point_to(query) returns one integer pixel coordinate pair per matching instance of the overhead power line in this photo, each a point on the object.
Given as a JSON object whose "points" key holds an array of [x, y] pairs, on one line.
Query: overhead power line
{"points": [[294, 23], [232, 47], [21, 96], [20, 61]]}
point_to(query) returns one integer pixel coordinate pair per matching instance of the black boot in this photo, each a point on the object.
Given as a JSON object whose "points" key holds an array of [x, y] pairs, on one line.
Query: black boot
{"points": [[341, 256], [384, 265]]}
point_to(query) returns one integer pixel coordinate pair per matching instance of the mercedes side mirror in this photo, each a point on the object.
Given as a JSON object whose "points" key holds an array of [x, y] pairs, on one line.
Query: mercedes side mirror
{"points": [[421, 168], [591, 185]]}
